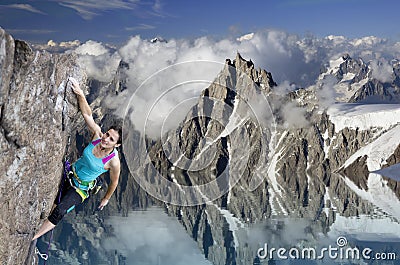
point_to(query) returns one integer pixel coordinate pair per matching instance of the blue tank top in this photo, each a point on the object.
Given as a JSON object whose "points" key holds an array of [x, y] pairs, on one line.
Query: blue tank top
{"points": [[88, 167]]}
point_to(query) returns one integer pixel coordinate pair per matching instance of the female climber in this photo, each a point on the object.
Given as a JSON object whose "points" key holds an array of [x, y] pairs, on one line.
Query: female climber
{"points": [[98, 157]]}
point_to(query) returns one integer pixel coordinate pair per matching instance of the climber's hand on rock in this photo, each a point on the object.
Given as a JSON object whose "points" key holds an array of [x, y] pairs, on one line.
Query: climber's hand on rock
{"points": [[75, 86], [103, 203]]}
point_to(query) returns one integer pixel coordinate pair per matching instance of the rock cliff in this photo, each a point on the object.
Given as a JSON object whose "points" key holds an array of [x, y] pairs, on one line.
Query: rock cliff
{"points": [[37, 119]]}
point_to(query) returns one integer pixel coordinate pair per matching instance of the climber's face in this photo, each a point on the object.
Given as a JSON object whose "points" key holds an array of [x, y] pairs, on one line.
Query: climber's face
{"points": [[110, 139]]}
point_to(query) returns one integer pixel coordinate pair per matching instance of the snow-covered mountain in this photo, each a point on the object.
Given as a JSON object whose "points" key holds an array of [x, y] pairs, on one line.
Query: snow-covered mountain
{"points": [[358, 81]]}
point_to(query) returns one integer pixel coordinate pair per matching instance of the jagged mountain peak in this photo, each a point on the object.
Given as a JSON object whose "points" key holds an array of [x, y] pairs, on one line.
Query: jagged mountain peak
{"points": [[346, 67], [241, 66]]}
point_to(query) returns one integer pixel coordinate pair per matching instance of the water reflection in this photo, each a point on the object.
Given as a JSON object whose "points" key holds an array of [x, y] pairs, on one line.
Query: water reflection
{"points": [[360, 218], [146, 237], [354, 225], [302, 241], [151, 237]]}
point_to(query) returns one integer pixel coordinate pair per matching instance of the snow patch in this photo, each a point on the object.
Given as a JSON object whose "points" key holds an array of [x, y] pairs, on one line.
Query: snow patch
{"points": [[272, 167], [379, 194], [327, 198], [245, 37], [233, 222], [177, 183], [334, 66], [325, 136], [348, 77], [275, 190], [365, 227], [60, 97], [364, 117], [378, 151], [2, 55]]}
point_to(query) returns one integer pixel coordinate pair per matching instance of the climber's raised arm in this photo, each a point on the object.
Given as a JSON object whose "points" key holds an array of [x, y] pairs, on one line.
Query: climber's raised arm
{"points": [[85, 109]]}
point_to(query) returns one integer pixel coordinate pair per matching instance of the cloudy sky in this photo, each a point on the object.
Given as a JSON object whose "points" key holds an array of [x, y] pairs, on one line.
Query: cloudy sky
{"points": [[151, 237], [114, 21]]}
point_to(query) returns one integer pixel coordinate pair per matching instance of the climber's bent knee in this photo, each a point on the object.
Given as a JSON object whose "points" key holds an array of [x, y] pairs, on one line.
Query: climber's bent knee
{"points": [[56, 215]]}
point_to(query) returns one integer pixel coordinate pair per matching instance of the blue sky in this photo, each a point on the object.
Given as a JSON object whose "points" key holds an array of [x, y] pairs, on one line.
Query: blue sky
{"points": [[114, 21]]}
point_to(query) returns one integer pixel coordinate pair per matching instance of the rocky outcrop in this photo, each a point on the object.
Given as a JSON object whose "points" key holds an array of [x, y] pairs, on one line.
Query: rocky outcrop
{"points": [[37, 118], [352, 66]]}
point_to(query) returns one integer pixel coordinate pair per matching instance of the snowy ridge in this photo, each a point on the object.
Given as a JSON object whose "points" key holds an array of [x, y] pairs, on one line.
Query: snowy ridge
{"points": [[379, 194], [346, 89], [235, 121], [234, 223], [272, 166], [364, 117], [365, 227], [334, 66], [378, 151], [327, 198], [275, 190]]}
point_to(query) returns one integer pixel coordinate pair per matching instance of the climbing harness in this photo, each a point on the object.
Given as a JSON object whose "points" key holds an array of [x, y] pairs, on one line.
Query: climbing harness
{"points": [[83, 193], [88, 184], [91, 187]]}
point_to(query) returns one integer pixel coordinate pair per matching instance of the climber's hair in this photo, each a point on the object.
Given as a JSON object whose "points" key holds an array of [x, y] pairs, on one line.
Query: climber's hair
{"points": [[118, 128]]}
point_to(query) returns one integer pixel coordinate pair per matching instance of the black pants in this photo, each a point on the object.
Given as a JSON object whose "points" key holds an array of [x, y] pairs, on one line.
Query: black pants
{"points": [[66, 202]]}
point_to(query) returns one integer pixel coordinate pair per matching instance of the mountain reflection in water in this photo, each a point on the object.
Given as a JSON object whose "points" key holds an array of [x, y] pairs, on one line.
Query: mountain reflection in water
{"points": [[152, 237], [146, 237]]}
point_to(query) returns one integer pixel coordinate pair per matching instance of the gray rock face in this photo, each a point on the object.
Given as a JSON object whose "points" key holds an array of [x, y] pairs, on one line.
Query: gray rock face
{"points": [[352, 66], [36, 120]]}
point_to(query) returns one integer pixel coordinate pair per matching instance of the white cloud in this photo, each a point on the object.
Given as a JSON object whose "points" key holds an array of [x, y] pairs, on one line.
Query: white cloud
{"points": [[245, 37], [367, 41], [140, 27], [98, 61], [325, 91], [284, 88], [89, 8], [70, 44], [152, 237], [158, 6], [25, 7], [382, 71], [91, 48], [294, 116], [52, 43]]}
